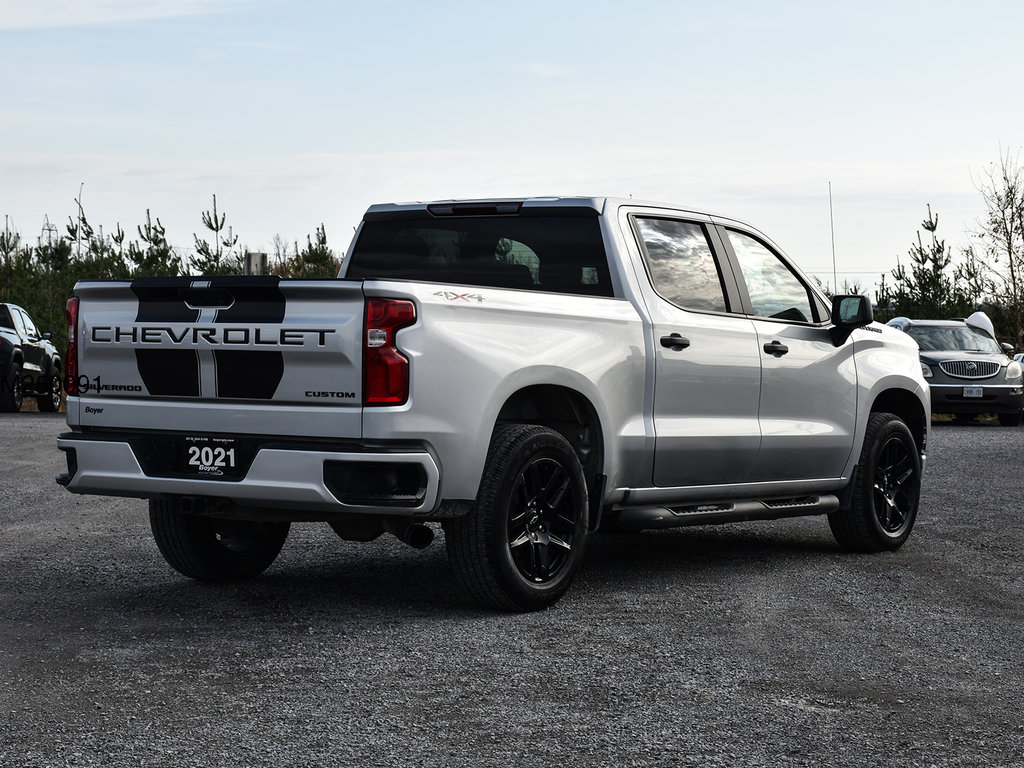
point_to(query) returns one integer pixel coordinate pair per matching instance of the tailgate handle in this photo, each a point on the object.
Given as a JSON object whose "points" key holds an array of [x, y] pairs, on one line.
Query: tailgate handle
{"points": [[206, 298]]}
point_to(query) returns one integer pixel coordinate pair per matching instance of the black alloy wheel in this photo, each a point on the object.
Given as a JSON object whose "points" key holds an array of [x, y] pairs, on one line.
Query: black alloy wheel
{"points": [[896, 485], [542, 520]]}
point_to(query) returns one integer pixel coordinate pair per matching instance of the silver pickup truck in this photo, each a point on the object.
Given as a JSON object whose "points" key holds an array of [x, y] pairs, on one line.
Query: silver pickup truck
{"points": [[522, 372]]}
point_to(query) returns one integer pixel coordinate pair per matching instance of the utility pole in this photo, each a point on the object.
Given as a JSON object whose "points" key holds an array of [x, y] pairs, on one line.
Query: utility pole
{"points": [[49, 230]]}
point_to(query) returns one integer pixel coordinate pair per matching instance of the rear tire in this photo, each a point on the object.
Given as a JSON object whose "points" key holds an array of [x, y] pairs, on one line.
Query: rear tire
{"points": [[886, 492], [214, 549], [50, 402], [11, 392], [521, 545]]}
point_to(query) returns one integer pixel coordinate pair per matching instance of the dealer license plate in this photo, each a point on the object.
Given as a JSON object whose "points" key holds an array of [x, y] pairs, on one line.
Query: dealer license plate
{"points": [[974, 391], [210, 456]]}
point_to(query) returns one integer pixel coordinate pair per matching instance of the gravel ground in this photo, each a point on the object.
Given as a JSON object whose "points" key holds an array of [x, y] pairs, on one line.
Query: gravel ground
{"points": [[744, 645]]}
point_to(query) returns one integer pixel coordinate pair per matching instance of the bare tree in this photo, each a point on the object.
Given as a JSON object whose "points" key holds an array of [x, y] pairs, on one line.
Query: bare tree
{"points": [[279, 266], [1001, 232]]}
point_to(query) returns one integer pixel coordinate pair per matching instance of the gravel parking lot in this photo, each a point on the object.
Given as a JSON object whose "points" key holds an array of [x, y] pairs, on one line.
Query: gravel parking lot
{"points": [[754, 644]]}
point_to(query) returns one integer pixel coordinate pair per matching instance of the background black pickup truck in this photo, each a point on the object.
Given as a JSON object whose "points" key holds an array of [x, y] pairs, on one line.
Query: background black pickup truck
{"points": [[29, 363]]}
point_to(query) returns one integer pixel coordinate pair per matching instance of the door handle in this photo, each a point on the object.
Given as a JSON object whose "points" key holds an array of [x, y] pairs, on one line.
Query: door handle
{"points": [[675, 342], [776, 348]]}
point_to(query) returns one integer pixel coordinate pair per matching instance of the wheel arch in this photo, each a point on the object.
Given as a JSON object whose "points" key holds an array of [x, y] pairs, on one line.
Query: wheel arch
{"points": [[907, 406], [572, 415], [10, 354]]}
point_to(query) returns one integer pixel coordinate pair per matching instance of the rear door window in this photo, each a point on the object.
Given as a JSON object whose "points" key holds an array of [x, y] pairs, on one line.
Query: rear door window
{"points": [[681, 264]]}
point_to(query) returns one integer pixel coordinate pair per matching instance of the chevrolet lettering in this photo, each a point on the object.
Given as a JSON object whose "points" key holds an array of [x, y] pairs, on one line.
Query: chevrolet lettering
{"points": [[516, 372], [212, 335]]}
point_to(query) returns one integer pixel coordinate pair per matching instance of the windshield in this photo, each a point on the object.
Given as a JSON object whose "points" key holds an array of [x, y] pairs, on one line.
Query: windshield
{"points": [[931, 338]]}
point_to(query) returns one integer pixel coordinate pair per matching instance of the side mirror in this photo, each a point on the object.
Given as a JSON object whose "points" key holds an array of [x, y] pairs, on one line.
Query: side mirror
{"points": [[47, 335], [849, 313], [1007, 348]]}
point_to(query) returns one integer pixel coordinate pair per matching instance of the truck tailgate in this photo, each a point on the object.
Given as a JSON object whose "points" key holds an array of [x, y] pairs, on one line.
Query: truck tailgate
{"points": [[224, 354]]}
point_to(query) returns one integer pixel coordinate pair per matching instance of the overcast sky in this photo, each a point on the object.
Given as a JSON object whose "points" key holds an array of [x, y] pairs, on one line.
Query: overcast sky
{"points": [[301, 113]]}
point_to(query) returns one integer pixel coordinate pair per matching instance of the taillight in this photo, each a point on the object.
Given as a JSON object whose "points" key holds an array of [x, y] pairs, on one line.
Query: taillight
{"points": [[385, 369], [71, 354]]}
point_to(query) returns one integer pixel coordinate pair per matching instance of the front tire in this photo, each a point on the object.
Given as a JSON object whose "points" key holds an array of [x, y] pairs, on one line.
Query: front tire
{"points": [[521, 545], [214, 549], [886, 492], [11, 392]]}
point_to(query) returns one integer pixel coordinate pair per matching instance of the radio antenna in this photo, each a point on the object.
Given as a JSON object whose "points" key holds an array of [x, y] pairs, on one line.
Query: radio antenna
{"points": [[832, 227]]}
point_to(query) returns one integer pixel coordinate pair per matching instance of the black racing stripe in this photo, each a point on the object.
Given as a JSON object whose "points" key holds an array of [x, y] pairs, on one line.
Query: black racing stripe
{"points": [[160, 300], [248, 374], [257, 299], [253, 375], [169, 372]]}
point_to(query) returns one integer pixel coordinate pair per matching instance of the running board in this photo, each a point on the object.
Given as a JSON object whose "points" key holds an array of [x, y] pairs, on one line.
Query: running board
{"points": [[640, 518]]}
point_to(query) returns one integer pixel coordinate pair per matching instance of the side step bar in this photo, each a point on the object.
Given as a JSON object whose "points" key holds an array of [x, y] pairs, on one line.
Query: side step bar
{"points": [[641, 518]]}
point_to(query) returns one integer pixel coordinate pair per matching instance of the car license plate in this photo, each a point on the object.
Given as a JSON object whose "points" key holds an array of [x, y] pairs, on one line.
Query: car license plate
{"points": [[974, 391], [210, 456]]}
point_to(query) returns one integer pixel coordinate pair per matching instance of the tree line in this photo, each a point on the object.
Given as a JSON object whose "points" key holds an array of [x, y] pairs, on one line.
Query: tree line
{"points": [[933, 282], [41, 277]]}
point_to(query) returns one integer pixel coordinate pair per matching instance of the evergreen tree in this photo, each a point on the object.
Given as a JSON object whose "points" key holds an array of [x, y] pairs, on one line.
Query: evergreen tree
{"points": [[218, 257], [316, 259], [153, 256], [926, 290], [17, 268], [80, 231], [9, 241]]}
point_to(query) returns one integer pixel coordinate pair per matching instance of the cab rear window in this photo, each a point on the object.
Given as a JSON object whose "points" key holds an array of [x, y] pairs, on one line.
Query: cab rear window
{"points": [[563, 254]]}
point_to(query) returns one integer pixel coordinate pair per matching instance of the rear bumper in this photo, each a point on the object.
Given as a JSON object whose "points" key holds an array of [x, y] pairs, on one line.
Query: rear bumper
{"points": [[398, 482]]}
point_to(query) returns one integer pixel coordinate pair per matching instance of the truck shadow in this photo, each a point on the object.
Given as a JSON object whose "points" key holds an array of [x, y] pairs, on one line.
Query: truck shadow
{"points": [[707, 549], [321, 575]]}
